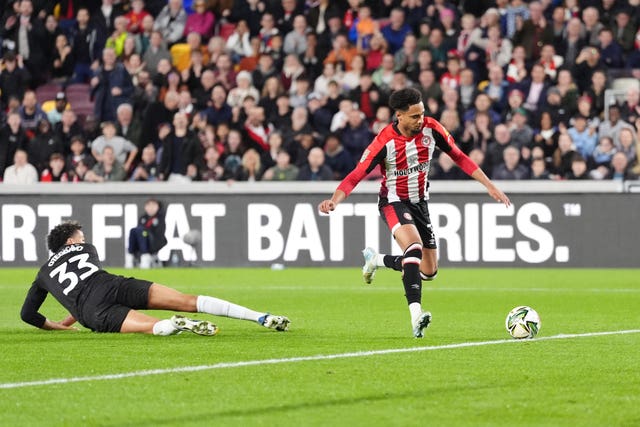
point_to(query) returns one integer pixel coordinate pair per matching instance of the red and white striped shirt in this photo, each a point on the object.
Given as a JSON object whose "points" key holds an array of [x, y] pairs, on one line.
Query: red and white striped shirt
{"points": [[405, 161]]}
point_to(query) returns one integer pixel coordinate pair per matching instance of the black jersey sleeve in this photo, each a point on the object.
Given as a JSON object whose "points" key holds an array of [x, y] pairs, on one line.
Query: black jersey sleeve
{"points": [[33, 301]]}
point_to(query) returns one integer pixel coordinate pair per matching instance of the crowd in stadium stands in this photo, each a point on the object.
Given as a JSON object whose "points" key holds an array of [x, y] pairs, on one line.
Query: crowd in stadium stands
{"points": [[279, 90]]}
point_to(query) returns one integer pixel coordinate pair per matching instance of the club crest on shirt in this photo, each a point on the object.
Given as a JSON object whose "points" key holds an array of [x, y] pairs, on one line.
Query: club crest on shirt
{"points": [[407, 216], [365, 155], [426, 138]]}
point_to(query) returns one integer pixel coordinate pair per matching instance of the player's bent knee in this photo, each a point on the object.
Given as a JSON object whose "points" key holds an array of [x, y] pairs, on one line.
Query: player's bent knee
{"points": [[429, 277]]}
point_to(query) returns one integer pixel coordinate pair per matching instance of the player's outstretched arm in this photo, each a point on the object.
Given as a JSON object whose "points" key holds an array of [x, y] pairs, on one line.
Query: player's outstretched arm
{"points": [[496, 193]]}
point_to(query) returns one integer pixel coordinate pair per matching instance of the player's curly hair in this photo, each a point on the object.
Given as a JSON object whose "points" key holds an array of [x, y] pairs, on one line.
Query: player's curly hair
{"points": [[60, 233], [402, 99]]}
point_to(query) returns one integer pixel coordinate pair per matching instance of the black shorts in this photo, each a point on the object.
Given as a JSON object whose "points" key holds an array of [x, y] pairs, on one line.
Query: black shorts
{"points": [[396, 214], [110, 299]]}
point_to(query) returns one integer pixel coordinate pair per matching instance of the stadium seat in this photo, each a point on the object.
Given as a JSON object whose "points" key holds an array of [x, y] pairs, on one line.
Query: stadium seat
{"points": [[78, 92], [47, 92]]}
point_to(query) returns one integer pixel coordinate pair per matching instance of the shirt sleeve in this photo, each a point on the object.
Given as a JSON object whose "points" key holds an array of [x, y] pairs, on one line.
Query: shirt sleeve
{"points": [[372, 156], [33, 301], [447, 144]]}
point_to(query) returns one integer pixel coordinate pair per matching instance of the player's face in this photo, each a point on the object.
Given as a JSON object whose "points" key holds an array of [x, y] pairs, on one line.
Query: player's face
{"points": [[410, 121]]}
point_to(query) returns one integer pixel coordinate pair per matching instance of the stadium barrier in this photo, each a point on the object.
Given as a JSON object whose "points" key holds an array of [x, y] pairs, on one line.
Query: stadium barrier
{"points": [[560, 224]]}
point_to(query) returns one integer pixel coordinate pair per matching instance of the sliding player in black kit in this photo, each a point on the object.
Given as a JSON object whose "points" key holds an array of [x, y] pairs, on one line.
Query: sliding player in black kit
{"points": [[105, 302]]}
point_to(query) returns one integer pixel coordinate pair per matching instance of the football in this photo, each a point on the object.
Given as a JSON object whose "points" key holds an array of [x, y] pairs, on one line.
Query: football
{"points": [[523, 322]]}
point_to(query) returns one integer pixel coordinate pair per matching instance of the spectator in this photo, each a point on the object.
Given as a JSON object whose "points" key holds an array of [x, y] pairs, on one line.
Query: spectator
{"points": [[592, 25], [182, 155], [563, 156], [624, 30], [535, 89], [587, 62], [62, 61], [31, 113], [257, 129], [283, 169], [496, 88], [477, 133], [159, 113], [79, 172], [396, 31], [611, 53], [244, 87], [517, 68], [250, 169], [521, 132], [534, 32], [495, 150], [56, 172], [613, 126], [539, 169], [546, 135], [148, 237], [14, 78], [43, 146], [584, 138], [598, 85], [239, 42], [602, 154], [498, 49], [107, 169], [337, 158], [579, 169], [171, 22], [77, 155], [128, 126], [147, 170], [626, 143], [155, 53], [619, 168], [124, 151], [315, 169], [630, 109], [21, 171], [446, 169], [295, 41], [572, 43], [482, 104], [510, 168], [87, 44], [111, 86], [60, 104], [202, 21], [117, 38], [28, 34], [212, 170], [12, 138], [67, 128], [356, 135], [136, 16], [143, 37]]}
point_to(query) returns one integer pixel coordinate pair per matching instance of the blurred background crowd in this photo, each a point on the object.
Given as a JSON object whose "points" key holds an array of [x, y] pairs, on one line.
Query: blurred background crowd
{"points": [[249, 90]]}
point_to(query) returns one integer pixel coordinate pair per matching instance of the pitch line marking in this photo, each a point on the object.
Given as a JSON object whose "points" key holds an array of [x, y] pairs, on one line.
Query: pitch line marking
{"points": [[225, 365]]}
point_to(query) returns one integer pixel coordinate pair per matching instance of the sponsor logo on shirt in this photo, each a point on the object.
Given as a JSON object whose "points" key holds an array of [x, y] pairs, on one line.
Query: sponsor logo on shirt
{"points": [[418, 168]]}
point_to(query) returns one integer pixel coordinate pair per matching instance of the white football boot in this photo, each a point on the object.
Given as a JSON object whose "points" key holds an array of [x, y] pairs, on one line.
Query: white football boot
{"points": [[421, 324], [369, 268], [279, 323], [200, 327]]}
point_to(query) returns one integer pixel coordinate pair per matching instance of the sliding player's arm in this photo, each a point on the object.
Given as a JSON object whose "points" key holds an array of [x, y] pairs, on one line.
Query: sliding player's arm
{"points": [[30, 314], [446, 143], [372, 156]]}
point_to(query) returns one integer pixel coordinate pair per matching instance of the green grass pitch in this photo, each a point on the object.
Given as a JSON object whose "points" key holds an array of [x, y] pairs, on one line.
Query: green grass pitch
{"points": [[586, 380]]}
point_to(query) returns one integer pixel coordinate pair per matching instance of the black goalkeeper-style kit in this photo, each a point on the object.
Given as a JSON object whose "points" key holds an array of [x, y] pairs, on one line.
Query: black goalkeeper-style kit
{"points": [[97, 299]]}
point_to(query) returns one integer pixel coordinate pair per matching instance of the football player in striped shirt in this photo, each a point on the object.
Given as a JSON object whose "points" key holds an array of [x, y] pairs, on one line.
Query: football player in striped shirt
{"points": [[403, 150]]}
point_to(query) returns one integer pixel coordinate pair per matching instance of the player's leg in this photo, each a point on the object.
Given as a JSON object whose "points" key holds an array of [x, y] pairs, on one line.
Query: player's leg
{"points": [[429, 264], [165, 298], [410, 241]]}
